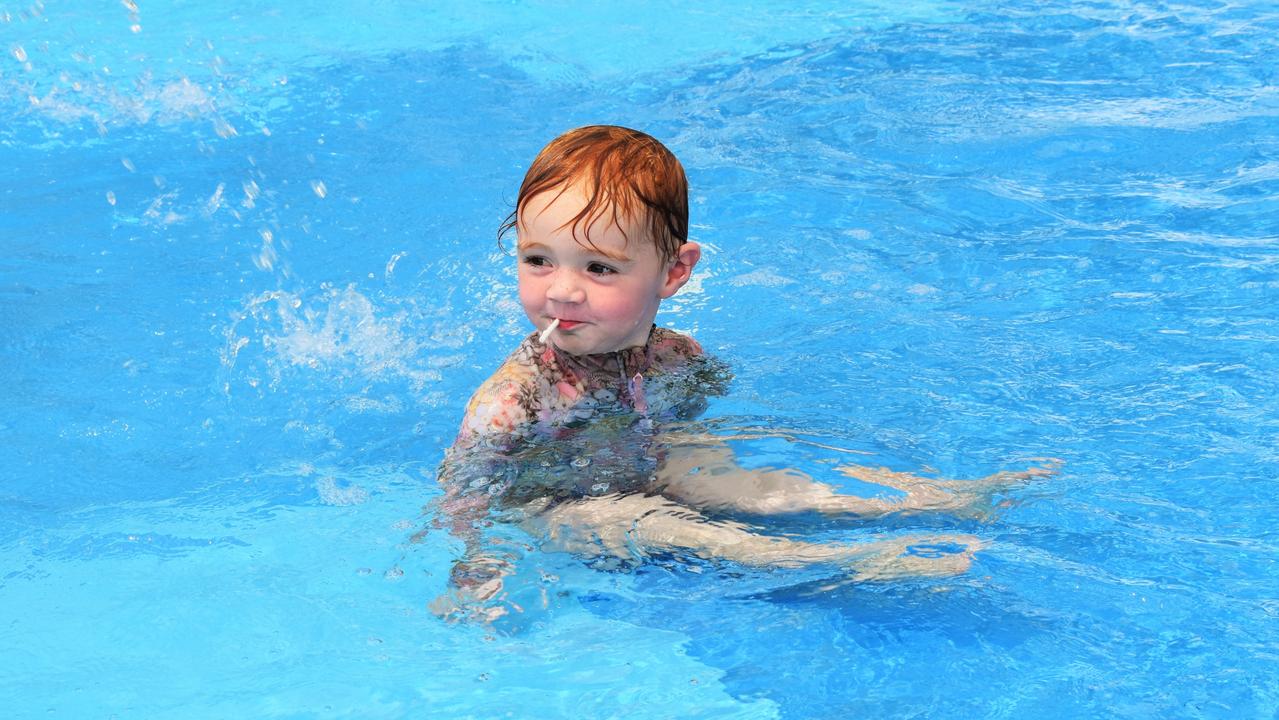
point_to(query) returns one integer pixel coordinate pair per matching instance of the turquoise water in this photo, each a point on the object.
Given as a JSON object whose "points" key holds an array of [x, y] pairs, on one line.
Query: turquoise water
{"points": [[249, 280]]}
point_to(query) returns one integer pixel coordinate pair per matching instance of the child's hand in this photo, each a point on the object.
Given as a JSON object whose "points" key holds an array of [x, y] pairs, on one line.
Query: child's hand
{"points": [[475, 591]]}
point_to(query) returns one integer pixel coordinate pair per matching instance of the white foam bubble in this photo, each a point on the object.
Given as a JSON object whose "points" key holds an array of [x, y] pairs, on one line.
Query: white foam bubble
{"points": [[333, 493]]}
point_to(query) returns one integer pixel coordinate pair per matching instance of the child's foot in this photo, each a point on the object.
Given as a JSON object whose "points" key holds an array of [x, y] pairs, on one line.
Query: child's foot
{"points": [[917, 556], [971, 498]]}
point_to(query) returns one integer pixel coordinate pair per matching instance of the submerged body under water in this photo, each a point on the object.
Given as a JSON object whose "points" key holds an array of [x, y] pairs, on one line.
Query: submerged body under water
{"points": [[595, 455], [249, 283]]}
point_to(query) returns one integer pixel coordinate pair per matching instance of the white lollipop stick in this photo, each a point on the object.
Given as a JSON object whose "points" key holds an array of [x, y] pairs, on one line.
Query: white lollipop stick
{"points": [[546, 334]]}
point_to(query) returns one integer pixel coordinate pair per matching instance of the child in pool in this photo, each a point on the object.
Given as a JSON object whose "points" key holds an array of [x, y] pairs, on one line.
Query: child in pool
{"points": [[601, 224]]}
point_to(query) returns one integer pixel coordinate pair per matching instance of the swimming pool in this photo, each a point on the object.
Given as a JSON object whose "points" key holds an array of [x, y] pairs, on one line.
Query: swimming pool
{"points": [[249, 281]]}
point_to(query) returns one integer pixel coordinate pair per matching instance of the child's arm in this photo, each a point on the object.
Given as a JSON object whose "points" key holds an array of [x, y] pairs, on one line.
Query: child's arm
{"points": [[496, 419], [478, 466]]}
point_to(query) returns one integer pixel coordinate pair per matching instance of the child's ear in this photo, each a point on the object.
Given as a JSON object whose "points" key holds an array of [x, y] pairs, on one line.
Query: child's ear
{"points": [[681, 268]]}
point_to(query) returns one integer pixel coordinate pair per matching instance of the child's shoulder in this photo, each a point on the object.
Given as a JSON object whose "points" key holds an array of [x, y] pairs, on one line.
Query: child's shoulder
{"points": [[671, 347], [502, 404], [685, 374]]}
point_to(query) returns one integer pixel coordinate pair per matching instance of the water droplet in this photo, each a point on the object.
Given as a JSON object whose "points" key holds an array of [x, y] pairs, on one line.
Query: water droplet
{"points": [[128, 164], [135, 28], [394, 574], [223, 128], [390, 266], [265, 259], [19, 53], [215, 200], [110, 198], [250, 193], [318, 187], [580, 462]]}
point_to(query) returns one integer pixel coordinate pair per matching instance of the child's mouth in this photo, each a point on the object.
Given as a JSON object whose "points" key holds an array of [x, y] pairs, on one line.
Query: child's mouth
{"points": [[569, 324]]}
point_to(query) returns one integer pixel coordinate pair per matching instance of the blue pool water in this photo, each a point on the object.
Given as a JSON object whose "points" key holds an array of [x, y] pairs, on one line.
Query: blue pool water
{"points": [[249, 279]]}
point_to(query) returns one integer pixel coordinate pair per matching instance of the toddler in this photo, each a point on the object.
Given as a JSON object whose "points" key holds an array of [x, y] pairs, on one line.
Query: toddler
{"points": [[571, 437]]}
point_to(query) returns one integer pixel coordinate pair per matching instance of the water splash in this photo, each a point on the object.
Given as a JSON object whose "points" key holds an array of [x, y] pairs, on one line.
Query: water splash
{"points": [[341, 334]]}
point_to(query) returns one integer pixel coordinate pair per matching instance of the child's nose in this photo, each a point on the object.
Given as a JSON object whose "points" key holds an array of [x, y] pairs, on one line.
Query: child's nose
{"points": [[565, 288]]}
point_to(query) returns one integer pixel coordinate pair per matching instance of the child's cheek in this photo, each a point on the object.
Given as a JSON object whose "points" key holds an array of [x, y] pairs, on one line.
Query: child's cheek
{"points": [[530, 295], [623, 304]]}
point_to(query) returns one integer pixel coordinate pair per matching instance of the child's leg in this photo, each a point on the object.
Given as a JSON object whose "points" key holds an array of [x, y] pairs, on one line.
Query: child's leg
{"points": [[936, 494], [634, 525], [708, 476]]}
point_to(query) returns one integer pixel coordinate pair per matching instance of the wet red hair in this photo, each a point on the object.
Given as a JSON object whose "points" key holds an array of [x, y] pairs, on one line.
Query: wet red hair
{"points": [[625, 175]]}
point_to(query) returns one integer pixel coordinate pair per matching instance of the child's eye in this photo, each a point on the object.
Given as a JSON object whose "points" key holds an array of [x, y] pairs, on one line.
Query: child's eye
{"points": [[598, 269], [535, 260]]}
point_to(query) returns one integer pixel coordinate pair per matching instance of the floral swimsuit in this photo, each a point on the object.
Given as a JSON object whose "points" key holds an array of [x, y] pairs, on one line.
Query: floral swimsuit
{"points": [[553, 425]]}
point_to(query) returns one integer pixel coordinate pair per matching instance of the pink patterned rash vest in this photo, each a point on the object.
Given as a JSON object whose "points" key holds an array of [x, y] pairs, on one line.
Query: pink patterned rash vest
{"points": [[541, 389]]}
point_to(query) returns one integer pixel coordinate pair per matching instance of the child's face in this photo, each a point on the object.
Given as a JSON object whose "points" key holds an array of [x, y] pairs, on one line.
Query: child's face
{"points": [[605, 298]]}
